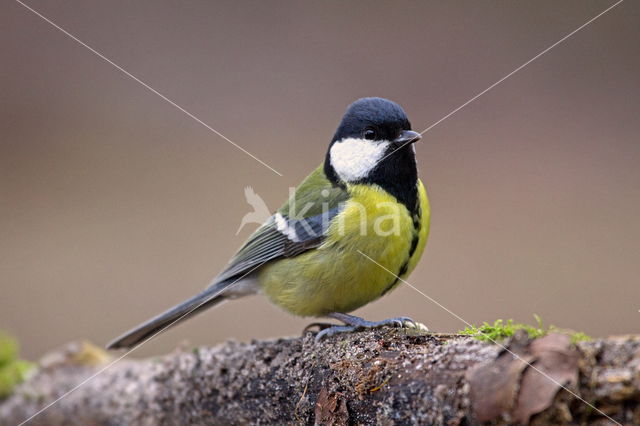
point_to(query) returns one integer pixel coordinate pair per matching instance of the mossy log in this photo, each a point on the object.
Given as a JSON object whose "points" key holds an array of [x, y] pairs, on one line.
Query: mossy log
{"points": [[385, 376]]}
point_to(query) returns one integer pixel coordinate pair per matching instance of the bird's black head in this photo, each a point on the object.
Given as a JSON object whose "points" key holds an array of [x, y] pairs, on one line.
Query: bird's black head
{"points": [[372, 119], [374, 144]]}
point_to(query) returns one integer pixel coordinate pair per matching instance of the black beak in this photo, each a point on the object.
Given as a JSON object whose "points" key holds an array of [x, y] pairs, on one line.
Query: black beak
{"points": [[407, 136]]}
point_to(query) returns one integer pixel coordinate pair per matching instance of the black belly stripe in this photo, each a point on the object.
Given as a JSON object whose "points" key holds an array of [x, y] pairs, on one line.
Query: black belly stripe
{"points": [[401, 272], [405, 265], [389, 287], [417, 222], [414, 245]]}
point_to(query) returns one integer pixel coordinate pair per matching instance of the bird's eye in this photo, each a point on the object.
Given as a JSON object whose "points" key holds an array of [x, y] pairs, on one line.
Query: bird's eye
{"points": [[369, 134]]}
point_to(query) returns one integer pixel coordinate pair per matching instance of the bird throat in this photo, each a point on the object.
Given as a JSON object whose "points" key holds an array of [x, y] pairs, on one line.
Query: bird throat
{"points": [[397, 174]]}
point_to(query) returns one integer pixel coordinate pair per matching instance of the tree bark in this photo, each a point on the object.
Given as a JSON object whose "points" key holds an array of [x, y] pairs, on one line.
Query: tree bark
{"points": [[385, 376]]}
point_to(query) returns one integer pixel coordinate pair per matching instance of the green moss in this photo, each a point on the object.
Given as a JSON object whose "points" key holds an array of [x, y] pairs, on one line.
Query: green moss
{"points": [[580, 337], [13, 370], [8, 349], [576, 336], [501, 330]]}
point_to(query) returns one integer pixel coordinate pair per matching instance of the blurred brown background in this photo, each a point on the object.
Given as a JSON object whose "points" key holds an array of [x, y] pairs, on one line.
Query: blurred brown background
{"points": [[115, 205]]}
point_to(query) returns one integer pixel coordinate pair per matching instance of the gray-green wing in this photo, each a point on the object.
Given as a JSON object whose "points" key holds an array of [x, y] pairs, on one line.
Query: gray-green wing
{"points": [[299, 225]]}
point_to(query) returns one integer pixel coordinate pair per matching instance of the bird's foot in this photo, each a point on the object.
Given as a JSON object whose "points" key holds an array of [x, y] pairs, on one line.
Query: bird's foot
{"points": [[334, 330], [353, 323], [362, 323]]}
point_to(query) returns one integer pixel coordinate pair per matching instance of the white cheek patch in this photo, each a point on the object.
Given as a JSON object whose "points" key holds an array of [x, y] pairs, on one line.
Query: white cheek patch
{"points": [[353, 159]]}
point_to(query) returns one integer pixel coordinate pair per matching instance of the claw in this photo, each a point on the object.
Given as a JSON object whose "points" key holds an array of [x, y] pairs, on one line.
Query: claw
{"points": [[332, 331], [420, 326]]}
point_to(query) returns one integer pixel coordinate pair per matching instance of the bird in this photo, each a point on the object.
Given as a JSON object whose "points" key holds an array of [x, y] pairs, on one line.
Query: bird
{"points": [[351, 231], [260, 211]]}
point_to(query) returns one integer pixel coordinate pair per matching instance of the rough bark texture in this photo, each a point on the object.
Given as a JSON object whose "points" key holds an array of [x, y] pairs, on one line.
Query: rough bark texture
{"points": [[385, 376]]}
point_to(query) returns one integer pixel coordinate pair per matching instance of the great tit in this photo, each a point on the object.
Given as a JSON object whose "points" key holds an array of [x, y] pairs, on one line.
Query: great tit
{"points": [[348, 231]]}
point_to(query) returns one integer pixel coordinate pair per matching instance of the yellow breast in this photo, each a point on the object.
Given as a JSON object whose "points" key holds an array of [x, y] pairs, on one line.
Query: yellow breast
{"points": [[337, 277]]}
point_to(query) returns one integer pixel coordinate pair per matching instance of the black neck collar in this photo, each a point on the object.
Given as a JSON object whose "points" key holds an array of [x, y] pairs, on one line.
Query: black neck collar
{"points": [[397, 174]]}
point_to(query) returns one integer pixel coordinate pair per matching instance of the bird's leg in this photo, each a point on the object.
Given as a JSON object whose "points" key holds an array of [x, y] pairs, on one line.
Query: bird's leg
{"points": [[353, 323]]}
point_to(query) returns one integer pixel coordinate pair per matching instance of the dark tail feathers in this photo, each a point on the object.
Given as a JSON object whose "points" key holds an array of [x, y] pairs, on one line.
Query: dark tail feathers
{"points": [[178, 313]]}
